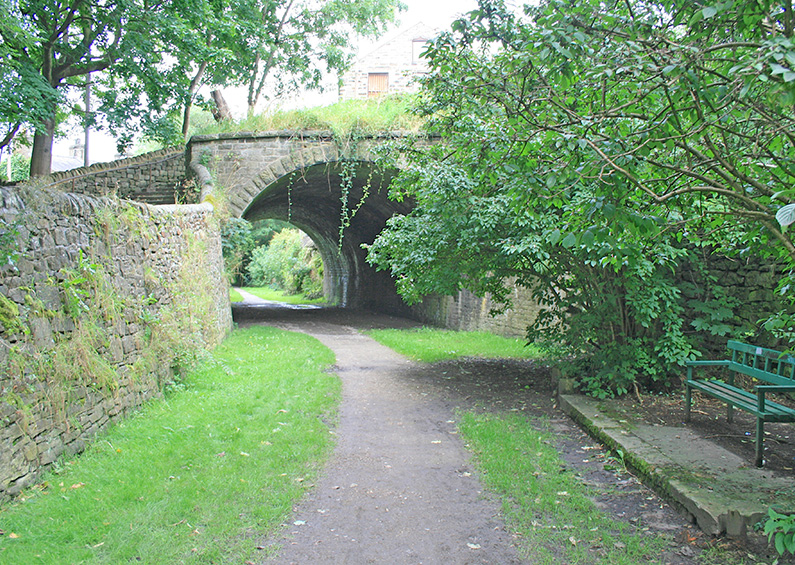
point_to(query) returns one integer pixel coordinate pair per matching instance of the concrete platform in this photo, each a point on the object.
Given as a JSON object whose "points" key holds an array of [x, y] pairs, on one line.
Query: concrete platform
{"points": [[722, 492]]}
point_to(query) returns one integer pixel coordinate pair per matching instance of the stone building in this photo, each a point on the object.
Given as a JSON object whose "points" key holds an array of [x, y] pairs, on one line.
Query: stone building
{"points": [[391, 68]]}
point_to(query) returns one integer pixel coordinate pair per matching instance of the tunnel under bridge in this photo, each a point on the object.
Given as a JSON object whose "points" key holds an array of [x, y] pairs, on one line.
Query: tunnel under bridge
{"points": [[316, 183]]}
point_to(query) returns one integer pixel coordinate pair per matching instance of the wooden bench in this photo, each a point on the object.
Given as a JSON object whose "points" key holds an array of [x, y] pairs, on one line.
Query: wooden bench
{"points": [[766, 365]]}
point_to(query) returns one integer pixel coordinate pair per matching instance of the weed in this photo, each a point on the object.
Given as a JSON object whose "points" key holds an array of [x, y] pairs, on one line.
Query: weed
{"points": [[780, 529]]}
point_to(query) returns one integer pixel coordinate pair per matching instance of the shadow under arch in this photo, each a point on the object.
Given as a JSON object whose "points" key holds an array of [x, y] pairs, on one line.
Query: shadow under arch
{"points": [[312, 200]]}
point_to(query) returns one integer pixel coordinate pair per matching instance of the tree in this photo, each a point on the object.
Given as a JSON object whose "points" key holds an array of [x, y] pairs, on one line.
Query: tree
{"points": [[296, 38], [595, 146], [58, 43], [143, 78], [18, 80]]}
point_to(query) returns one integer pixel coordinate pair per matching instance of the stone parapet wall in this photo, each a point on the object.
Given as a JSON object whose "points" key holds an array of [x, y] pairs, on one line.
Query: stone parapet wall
{"points": [[93, 299], [154, 178]]}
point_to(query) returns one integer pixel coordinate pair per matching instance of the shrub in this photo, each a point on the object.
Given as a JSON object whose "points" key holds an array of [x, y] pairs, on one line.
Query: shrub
{"points": [[288, 264]]}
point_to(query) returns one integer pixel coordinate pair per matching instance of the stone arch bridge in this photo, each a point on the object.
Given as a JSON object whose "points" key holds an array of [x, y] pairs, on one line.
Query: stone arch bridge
{"points": [[311, 180]]}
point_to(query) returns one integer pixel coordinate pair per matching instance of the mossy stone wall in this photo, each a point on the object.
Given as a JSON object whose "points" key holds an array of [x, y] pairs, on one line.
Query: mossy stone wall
{"points": [[102, 299]]}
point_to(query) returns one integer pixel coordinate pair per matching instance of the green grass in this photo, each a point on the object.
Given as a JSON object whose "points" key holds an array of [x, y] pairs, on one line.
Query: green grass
{"points": [[234, 295], [548, 507], [430, 344], [279, 296], [373, 116], [199, 477]]}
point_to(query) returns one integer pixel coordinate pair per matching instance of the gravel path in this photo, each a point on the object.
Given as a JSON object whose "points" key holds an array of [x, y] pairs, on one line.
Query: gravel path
{"points": [[399, 487]]}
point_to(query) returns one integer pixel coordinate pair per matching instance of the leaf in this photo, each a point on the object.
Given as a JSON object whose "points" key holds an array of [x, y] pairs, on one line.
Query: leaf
{"points": [[709, 12], [786, 215], [569, 241]]}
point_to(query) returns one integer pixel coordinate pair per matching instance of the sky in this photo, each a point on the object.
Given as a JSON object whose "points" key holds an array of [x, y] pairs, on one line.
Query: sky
{"points": [[435, 13]]}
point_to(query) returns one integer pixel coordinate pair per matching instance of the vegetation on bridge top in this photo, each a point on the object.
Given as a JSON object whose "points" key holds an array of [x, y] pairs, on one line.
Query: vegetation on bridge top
{"points": [[344, 119]]}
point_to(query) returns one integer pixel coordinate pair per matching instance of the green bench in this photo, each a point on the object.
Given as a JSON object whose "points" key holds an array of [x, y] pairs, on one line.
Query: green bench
{"points": [[766, 365]]}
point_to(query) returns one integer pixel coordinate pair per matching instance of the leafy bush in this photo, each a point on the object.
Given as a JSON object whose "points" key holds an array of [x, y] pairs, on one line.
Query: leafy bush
{"points": [[587, 159], [287, 264], [236, 244], [239, 238], [20, 169], [780, 529]]}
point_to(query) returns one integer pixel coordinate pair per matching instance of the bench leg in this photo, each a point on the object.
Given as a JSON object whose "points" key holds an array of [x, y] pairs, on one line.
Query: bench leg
{"points": [[760, 442], [687, 403]]}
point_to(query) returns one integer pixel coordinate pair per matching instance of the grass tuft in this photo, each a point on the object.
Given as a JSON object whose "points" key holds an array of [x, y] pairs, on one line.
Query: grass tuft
{"points": [[199, 477]]}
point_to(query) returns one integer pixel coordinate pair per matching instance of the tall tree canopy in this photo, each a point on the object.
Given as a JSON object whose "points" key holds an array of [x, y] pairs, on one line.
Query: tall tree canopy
{"points": [[149, 59], [589, 148]]}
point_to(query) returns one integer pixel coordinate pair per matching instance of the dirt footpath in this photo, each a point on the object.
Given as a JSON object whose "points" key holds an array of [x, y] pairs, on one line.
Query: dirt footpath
{"points": [[400, 487]]}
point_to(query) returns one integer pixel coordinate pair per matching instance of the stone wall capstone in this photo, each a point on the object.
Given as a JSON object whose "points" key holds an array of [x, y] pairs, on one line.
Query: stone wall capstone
{"points": [[89, 289]]}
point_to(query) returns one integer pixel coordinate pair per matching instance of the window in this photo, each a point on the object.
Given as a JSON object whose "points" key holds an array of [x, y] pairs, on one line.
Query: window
{"points": [[377, 84]]}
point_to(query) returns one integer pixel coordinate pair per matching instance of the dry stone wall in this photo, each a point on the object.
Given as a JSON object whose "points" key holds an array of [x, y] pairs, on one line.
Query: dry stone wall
{"points": [[155, 178], [468, 312], [93, 297]]}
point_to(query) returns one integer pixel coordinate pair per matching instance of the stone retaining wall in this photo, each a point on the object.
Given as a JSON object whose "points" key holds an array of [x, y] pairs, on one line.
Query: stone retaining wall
{"points": [[469, 312], [155, 178], [92, 293]]}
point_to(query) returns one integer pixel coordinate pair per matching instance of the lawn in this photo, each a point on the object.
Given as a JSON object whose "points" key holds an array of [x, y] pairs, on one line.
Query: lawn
{"points": [[431, 344], [279, 296], [201, 476]]}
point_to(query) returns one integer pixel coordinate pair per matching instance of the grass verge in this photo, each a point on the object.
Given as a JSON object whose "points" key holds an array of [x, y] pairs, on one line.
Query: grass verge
{"points": [[279, 296], [550, 508], [235, 296], [431, 344], [199, 477]]}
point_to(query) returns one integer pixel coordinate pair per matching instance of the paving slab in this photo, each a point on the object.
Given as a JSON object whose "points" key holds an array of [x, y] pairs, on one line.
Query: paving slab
{"points": [[721, 491]]}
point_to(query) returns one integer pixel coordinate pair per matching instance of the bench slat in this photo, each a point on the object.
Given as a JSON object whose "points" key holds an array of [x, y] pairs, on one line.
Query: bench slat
{"points": [[745, 400]]}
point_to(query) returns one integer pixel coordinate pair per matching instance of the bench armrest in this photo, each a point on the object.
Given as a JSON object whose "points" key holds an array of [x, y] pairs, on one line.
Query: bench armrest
{"points": [[762, 389], [775, 388]]}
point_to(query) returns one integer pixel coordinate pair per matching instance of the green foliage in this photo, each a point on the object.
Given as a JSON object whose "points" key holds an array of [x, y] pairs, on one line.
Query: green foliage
{"points": [[20, 169], [780, 529], [236, 244], [288, 265], [147, 82], [588, 151], [9, 249], [432, 344], [175, 482], [239, 238]]}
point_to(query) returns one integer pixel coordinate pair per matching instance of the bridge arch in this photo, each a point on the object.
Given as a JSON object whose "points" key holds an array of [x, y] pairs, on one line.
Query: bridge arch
{"points": [[306, 179]]}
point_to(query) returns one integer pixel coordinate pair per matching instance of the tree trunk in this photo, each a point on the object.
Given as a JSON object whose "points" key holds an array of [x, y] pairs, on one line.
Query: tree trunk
{"points": [[221, 111], [194, 86], [41, 156]]}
